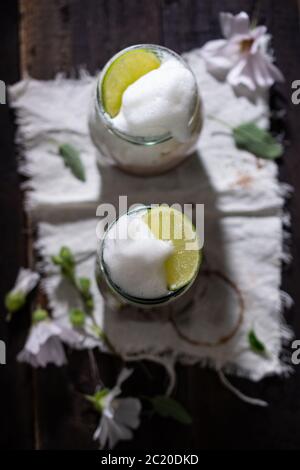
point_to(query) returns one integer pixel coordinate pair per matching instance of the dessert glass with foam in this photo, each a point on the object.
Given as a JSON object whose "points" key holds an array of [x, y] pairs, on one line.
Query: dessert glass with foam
{"points": [[160, 119], [130, 266]]}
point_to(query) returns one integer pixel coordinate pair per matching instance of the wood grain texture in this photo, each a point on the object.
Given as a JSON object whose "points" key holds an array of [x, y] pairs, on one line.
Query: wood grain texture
{"points": [[45, 38], [63, 35], [15, 407], [102, 28]]}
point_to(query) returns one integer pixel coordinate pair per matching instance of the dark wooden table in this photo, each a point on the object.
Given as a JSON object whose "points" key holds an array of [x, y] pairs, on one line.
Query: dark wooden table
{"points": [[44, 409]]}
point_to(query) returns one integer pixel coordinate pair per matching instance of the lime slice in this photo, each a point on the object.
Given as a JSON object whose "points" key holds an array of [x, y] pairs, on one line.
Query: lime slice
{"points": [[125, 70], [170, 224]]}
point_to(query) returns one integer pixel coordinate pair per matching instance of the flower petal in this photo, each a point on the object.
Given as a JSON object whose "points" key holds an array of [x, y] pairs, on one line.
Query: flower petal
{"points": [[264, 72], [101, 432], [220, 56], [128, 411], [124, 374], [26, 281], [274, 71], [113, 432], [116, 390], [242, 75], [262, 76], [232, 25], [26, 357], [258, 32], [43, 346], [39, 334], [70, 337], [97, 432]]}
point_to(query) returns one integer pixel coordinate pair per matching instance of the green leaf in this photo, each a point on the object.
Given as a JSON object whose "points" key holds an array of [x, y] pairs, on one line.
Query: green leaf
{"points": [[39, 315], [72, 160], [14, 301], [77, 317], [170, 408], [255, 344], [257, 141]]}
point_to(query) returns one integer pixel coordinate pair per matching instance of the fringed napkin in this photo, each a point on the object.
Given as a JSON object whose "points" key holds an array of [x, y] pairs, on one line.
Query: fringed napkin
{"points": [[239, 286]]}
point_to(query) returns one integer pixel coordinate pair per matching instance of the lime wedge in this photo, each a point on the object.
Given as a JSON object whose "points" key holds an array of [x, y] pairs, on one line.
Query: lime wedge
{"points": [[124, 71], [170, 224]]}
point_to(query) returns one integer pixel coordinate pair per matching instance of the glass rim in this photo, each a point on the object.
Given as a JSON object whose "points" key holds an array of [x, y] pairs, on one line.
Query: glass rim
{"points": [[135, 139], [131, 298]]}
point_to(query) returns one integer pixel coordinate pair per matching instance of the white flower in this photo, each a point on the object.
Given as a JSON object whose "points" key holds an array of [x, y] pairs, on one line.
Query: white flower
{"points": [[242, 57], [26, 280], [43, 345], [70, 337], [118, 415]]}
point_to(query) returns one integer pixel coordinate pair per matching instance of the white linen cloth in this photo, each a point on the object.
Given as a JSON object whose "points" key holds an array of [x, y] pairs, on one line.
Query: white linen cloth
{"points": [[244, 235]]}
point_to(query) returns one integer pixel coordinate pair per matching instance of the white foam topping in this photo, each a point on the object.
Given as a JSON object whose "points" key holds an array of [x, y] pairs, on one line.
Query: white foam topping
{"points": [[135, 258], [159, 102]]}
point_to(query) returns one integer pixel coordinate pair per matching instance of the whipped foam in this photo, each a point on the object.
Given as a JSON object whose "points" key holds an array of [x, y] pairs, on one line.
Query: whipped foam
{"points": [[135, 258], [159, 102]]}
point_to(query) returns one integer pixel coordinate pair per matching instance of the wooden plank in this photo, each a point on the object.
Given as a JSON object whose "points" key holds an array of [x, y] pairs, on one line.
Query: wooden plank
{"points": [[71, 34], [15, 380], [63, 35], [88, 33], [45, 38], [189, 24], [102, 28], [221, 420]]}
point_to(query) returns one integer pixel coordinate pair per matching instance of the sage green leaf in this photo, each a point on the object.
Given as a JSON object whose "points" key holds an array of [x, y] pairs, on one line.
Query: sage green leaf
{"points": [[170, 408], [72, 160], [257, 141], [255, 344]]}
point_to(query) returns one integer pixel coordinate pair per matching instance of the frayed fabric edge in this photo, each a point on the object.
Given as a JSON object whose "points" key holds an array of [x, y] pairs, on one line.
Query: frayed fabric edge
{"points": [[169, 360]]}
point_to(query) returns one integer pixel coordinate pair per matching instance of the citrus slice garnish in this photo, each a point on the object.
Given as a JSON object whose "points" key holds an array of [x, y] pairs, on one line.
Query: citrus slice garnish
{"points": [[183, 264], [124, 71]]}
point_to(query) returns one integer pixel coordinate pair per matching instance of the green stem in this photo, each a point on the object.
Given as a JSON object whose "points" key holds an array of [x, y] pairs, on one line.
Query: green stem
{"points": [[220, 121], [70, 275], [254, 19], [103, 336]]}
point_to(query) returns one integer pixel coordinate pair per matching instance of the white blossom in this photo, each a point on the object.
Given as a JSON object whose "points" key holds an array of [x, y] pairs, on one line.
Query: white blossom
{"points": [[72, 338], [241, 57], [43, 345], [118, 415], [26, 280]]}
